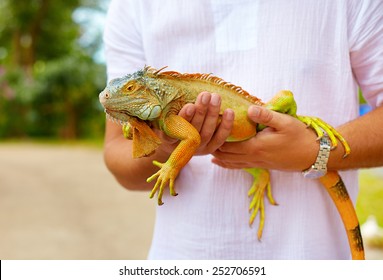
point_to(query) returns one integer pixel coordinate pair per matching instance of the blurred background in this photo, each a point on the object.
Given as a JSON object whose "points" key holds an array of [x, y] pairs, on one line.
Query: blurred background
{"points": [[51, 68], [57, 200]]}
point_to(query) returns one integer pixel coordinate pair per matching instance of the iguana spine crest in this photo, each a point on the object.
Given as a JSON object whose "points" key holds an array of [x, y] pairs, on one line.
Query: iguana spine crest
{"points": [[210, 78]]}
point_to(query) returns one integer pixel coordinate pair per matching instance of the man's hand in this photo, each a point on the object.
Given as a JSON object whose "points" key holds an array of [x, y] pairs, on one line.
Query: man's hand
{"points": [[204, 116], [286, 144]]}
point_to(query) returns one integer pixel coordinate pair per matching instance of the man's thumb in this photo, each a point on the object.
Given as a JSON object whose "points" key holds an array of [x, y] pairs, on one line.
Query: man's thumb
{"points": [[265, 117]]}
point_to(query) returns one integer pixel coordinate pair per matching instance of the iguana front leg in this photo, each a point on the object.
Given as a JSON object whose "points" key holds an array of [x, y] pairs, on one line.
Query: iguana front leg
{"points": [[176, 127]]}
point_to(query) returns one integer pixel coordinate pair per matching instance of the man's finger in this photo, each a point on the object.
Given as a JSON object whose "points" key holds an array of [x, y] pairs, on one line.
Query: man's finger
{"points": [[211, 118], [262, 115], [187, 112], [223, 131], [201, 107]]}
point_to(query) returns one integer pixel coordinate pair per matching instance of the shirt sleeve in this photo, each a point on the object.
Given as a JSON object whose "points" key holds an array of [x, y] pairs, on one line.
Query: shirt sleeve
{"points": [[365, 23], [124, 52]]}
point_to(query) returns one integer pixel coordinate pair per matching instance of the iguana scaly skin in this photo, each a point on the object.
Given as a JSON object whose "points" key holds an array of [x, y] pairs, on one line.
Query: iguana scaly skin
{"points": [[152, 98]]}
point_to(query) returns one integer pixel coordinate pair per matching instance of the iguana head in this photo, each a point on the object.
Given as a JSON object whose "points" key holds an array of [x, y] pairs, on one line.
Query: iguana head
{"points": [[130, 96]]}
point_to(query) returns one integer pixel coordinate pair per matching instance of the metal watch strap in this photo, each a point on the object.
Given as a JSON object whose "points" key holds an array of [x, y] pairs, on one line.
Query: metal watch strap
{"points": [[319, 168]]}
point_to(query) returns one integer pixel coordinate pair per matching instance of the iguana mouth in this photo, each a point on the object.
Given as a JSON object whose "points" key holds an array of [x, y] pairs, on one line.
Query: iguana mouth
{"points": [[110, 116], [122, 112]]}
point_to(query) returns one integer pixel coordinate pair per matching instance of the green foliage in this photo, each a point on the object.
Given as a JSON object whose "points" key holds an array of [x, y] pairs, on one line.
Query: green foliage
{"points": [[362, 100], [37, 29], [371, 195], [14, 102], [49, 81], [60, 101], [65, 102]]}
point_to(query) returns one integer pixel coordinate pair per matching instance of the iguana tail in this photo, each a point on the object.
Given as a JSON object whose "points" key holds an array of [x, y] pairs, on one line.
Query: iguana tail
{"points": [[338, 192]]}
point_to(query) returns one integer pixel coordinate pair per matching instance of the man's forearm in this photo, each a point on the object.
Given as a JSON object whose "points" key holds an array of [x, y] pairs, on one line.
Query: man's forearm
{"points": [[130, 173], [365, 137]]}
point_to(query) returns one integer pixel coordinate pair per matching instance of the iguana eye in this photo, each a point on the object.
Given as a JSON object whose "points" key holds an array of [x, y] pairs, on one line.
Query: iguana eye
{"points": [[129, 88]]}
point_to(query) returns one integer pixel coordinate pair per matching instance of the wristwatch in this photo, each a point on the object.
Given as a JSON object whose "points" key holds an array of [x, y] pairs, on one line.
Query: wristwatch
{"points": [[319, 168]]}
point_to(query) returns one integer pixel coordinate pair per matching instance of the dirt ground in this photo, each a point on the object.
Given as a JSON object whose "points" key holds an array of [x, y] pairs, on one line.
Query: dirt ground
{"points": [[60, 202]]}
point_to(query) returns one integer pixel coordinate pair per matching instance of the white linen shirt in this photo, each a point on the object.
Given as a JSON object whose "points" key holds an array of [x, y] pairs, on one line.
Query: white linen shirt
{"points": [[320, 50]]}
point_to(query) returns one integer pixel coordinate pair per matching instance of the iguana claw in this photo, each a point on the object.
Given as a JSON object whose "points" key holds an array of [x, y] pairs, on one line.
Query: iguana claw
{"points": [[165, 175], [321, 127], [261, 184]]}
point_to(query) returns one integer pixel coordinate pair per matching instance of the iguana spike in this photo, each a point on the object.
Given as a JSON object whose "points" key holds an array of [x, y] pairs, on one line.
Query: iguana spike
{"points": [[159, 70]]}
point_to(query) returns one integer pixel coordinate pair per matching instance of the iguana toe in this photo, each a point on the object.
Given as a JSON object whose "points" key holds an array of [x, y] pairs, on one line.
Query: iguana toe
{"points": [[166, 175], [260, 187], [320, 127]]}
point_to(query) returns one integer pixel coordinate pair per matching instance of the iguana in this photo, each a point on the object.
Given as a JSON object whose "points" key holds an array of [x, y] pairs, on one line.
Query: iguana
{"points": [[152, 98]]}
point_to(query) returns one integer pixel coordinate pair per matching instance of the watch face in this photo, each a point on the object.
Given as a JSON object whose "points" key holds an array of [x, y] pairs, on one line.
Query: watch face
{"points": [[314, 173]]}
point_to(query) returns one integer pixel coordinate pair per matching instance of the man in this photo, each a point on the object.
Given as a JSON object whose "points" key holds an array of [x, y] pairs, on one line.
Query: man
{"points": [[321, 51]]}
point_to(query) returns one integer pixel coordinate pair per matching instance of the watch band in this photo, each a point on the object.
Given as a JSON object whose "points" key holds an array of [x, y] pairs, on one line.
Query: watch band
{"points": [[319, 168]]}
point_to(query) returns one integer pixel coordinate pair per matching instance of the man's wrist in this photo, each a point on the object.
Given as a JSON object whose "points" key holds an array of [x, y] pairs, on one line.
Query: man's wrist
{"points": [[319, 167]]}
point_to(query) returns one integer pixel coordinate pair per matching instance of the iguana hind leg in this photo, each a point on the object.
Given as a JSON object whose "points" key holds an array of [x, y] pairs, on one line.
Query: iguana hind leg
{"points": [[260, 188], [322, 127], [284, 102]]}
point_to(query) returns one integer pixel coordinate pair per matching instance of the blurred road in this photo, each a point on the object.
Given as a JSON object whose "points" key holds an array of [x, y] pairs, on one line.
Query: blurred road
{"points": [[60, 202]]}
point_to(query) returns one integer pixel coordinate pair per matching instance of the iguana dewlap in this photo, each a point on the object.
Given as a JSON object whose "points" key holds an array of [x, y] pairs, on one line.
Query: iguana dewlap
{"points": [[152, 98]]}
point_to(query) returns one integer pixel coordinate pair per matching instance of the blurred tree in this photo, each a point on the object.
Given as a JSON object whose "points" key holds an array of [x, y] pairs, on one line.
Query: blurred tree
{"points": [[66, 98], [37, 30], [49, 81]]}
